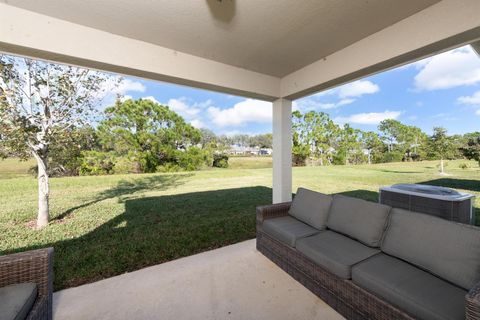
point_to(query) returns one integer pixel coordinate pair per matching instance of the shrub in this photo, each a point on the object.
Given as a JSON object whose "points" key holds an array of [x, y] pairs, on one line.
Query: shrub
{"points": [[393, 156], [463, 165], [125, 165], [192, 159], [96, 163], [300, 154], [169, 167], [339, 158], [220, 161]]}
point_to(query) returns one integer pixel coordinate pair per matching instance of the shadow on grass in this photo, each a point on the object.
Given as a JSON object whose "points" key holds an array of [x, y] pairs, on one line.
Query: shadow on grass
{"points": [[153, 230], [464, 184], [362, 194], [399, 171], [130, 187]]}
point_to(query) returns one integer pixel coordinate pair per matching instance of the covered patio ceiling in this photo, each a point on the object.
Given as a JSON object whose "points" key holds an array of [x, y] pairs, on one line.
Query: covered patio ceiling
{"points": [[259, 49], [276, 50], [273, 38]]}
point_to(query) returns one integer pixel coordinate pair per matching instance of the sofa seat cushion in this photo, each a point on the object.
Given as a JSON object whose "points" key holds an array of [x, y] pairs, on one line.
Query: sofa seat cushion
{"points": [[17, 300], [409, 288], [359, 219], [311, 207], [287, 229], [335, 252], [447, 249]]}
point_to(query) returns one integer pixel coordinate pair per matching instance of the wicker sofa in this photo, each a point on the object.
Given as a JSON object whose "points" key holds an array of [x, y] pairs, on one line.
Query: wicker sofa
{"points": [[370, 261], [26, 285]]}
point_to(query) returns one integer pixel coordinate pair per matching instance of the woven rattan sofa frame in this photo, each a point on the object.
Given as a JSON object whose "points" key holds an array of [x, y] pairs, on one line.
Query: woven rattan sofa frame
{"points": [[344, 296]]}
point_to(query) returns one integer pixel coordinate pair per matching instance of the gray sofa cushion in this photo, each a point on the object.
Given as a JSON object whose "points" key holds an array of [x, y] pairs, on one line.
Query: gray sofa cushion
{"points": [[411, 289], [311, 207], [17, 300], [335, 252], [447, 249], [287, 229], [359, 219]]}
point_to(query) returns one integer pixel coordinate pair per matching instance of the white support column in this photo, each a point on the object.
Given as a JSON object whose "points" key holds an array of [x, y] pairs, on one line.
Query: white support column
{"points": [[282, 150]]}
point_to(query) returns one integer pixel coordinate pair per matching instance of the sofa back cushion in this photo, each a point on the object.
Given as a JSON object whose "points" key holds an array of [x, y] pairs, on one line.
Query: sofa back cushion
{"points": [[447, 249], [311, 207], [359, 219]]}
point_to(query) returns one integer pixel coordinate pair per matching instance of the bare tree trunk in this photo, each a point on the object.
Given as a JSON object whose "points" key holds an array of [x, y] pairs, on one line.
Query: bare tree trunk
{"points": [[369, 157], [441, 165], [43, 190]]}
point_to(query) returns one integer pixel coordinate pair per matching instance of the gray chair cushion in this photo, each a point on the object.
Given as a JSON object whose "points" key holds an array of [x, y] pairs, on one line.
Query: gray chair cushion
{"points": [[17, 300], [359, 219], [335, 252], [311, 207], [409, 288], [448, 249], [287, 229]]}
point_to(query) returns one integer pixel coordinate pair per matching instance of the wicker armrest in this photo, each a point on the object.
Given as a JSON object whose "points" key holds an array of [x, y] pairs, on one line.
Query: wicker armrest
{"points": [[272, 211], [473, 303], [34, 266]]}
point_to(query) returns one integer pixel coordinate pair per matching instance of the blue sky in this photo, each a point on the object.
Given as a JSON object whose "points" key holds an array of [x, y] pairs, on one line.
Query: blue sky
{"points": [[443, 90]]}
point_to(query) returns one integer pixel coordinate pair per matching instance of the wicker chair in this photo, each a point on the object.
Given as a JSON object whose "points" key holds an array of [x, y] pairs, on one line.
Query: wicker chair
{"points": [[32, 266]]}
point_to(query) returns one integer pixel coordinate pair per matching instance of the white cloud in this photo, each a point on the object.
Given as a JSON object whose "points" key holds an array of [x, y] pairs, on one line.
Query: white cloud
{"points": [[181, 107], [308, 104], [344, 102], [128, 85], [472, 100], [197, 123], [353, 89], [454, 68], [346, 94], [477, 112], [369, 118], [247, 111], [357, 89]]}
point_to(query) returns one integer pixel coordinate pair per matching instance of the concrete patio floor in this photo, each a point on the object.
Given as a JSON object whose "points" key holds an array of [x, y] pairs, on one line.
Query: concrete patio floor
{"points": [[233, 282]]}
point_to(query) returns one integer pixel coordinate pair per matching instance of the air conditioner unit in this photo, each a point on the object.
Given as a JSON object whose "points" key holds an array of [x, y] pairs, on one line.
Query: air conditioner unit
{"points": [[442, 202]]}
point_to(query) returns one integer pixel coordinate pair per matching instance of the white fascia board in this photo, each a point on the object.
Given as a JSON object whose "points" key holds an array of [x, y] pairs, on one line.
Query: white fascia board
{"points": [[35, 35], [438, 28]]}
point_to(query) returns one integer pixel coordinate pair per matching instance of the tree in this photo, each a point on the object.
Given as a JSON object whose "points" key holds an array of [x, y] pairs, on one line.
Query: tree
{"points": [[348, 142], [372, 143], [40, 103], [391, 131], [150, 133], [67, 151], [471, 150], [261, 140], [313, 134], [208, 137], [402, 141], [441, 145]]}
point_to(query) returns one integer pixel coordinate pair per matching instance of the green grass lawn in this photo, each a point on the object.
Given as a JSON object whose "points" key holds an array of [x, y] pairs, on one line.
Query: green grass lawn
{"points": [[249, 162], [107, 225]]}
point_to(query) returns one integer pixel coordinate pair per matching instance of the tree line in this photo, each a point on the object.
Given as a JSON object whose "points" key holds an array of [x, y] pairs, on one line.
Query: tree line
{"points": [[319, 140]]}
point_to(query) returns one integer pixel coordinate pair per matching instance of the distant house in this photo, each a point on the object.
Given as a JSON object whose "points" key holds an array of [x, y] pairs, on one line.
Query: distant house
{"points": [[248, 151]]}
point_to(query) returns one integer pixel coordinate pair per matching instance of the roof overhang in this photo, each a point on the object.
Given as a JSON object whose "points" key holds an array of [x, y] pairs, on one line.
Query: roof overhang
{"points": [[423, 29]]}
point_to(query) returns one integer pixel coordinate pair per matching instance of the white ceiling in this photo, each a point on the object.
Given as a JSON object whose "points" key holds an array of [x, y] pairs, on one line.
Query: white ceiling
{"points": [[275, 37]]}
